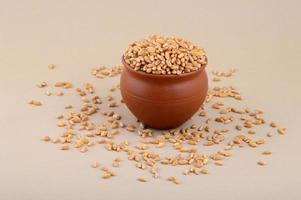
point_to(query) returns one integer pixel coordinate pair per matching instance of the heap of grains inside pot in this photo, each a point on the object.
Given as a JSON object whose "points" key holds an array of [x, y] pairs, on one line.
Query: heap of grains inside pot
{"points": [[218, 127], [165, 56]]}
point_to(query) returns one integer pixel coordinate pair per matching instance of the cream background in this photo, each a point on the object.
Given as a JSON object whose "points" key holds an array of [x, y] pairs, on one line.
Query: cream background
{"points": [[260, 38]]}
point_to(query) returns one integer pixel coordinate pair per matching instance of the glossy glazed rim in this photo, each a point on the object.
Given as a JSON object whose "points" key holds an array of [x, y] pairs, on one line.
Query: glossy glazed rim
{"points": [[200, 70]]}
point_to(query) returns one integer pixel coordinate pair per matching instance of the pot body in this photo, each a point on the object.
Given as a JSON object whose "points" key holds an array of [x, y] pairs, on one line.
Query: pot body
{"points": [[163, 101]]}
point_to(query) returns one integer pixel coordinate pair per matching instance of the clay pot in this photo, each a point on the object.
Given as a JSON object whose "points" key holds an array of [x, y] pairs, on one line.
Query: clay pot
{"points": [[163, 101]]}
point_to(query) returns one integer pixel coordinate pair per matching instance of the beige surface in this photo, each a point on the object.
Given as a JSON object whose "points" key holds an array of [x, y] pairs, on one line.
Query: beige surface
{"points": [[260, 38]]}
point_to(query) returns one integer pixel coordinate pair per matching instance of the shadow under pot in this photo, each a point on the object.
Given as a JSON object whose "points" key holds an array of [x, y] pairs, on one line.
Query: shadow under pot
{"points": [[163, 101]]}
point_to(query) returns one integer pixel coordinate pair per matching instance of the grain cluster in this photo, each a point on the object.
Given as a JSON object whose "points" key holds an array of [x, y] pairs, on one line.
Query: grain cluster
{"points": [[165, 56]]}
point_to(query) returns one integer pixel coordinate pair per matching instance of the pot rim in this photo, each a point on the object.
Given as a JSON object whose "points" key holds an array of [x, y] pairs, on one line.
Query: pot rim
{"points": [[126, 65]]}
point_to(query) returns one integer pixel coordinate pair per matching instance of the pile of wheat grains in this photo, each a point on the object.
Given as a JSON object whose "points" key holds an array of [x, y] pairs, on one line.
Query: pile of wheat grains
{"points": [[165, 56], [216, 119]]}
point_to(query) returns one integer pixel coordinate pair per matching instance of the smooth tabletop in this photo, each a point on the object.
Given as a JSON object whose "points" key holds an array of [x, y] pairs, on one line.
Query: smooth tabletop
{"points": [[261, 39]]}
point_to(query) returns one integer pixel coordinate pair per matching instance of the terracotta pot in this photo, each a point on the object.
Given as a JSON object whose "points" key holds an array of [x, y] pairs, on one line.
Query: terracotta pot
{"points": [[163, 101]]}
